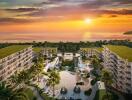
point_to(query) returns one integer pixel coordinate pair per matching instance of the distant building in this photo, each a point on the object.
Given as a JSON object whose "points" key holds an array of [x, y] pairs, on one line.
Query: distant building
{"points": [[68, 56], [14, 59], [118, 59], [59, 54], [49, 52], [77, 55], [90, 52]]}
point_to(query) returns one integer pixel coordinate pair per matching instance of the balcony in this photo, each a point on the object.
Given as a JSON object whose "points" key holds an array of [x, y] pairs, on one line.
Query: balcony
{"points": [[128, 72], [128, 84], [128, 78]]}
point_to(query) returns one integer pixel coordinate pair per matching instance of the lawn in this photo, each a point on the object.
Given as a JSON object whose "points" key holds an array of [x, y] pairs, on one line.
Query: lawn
{"points": [[100, 49], [37, 49], [122, 51], [11, 49]]}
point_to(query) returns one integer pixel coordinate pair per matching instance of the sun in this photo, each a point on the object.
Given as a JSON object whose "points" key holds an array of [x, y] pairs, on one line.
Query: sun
{"points": [[87, 20]]}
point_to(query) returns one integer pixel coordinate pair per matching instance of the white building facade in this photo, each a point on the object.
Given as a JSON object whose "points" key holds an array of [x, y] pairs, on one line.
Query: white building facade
{"points": [[90, 52], [49, 52], [15, 62], [68, 56], [120, 68]]}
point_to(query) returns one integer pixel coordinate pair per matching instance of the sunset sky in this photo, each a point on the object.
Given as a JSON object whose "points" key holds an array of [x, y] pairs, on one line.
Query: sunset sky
{"points": [[65, 20]]}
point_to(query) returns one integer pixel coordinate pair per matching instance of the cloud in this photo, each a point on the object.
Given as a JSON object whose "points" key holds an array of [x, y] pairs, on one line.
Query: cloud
{"points": [[62, 9], [119, 12], [128, 33], [14, 20], [22, 9]]}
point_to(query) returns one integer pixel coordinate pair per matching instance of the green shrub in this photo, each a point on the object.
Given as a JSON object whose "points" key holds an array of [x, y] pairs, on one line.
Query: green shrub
{"points": [[102, 95], [88, 92], [70, 64], [107, 97], [93, 81], [35, 98]]}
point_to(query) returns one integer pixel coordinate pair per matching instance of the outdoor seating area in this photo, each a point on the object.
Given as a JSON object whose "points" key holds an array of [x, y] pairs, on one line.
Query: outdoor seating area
{"points": [[80, 84], [72, 85]]}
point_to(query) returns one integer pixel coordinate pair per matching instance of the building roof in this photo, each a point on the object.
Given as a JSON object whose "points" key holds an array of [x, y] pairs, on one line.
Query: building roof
{"points": [[37, 49], [100, 49], [123, 51], [11, 49]]}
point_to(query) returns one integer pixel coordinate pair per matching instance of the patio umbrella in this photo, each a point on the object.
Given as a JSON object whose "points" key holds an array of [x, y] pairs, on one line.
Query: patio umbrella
{"points": [[63, 98], [63, 90], [77, 89]]}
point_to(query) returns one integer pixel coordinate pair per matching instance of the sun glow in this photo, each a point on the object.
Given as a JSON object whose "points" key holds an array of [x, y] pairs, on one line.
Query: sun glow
{"points": [[87, 21]]}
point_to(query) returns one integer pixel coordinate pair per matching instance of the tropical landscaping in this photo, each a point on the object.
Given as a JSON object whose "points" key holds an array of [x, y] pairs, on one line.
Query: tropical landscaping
{"points": [[77, 79]]}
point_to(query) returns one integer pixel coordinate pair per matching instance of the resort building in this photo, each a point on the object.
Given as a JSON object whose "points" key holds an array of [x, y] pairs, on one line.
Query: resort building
{"points": [[118, 59], [14, 59], [49, 52], [53, 64], [59, 54], [90, 52], [36, 51], [68, 56]]}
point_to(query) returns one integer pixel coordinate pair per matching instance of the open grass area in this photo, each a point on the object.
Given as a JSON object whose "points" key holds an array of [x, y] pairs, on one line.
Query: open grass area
{"points": [[37, 49], [122, 51], [99, 49], [11, 49]]}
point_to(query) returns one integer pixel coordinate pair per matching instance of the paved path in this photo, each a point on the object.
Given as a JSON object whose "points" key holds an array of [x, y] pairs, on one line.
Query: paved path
{"points": [[36, 93]]}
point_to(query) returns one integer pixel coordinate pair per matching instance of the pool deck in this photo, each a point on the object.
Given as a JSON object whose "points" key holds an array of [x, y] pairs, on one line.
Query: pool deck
{"points": [[69, 80]]}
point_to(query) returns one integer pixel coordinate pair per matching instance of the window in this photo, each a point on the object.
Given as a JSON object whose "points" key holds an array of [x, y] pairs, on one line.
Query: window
{"points": [[128, 84]]}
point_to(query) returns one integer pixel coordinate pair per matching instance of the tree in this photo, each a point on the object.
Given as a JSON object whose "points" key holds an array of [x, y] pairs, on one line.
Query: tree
{"points": [[53, 79], [20, 78], [20, 96], [23, 77], [38, 67], [14, 79], [95, 62], [107, 78], [5, 91]]}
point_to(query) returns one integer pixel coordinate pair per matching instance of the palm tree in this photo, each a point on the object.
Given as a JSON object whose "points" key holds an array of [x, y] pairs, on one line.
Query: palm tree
{"points": [[5, 91], [23, 77], [95, 62], [20, 96], [54, 79], [15, 80], [38, 67], [107, 78], [19, 78]]}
